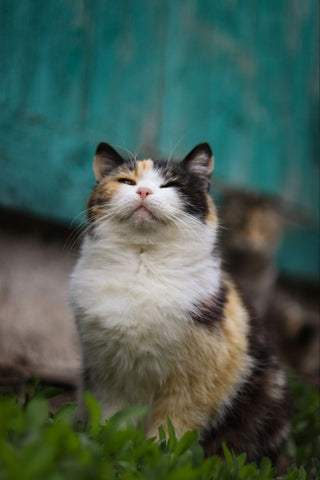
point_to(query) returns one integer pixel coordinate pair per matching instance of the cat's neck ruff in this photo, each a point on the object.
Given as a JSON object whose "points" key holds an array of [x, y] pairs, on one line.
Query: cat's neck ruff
{"points": [[178, 263], [172, 246]]}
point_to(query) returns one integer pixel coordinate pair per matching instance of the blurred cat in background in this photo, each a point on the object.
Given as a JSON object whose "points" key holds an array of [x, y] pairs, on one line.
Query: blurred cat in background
{"points": [[252, 230]]}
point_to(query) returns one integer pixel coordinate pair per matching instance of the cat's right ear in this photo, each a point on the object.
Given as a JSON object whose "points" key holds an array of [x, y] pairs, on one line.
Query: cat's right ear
{"points": [[105, 160], [200, 162]]}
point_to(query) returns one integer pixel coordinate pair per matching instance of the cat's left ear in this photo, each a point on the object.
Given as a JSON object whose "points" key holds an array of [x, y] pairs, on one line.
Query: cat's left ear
{"points": [[200, 161], [106, 159]]}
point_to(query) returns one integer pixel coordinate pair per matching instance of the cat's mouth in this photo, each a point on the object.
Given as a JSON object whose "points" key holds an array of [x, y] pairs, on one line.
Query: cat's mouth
{"points": [[146, 216], [141, 208], [143, 213]]}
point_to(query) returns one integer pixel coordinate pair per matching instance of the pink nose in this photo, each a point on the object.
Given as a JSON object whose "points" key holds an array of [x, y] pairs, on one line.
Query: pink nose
{"points": [[144, 192]]}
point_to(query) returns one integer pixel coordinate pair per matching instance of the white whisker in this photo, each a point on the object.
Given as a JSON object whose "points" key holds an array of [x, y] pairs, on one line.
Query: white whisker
{"points": [[172, 149], [131, 154]]}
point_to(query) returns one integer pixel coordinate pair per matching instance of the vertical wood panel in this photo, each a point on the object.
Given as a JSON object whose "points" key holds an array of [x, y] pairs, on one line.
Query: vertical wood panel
{"points": [[242, 74], [76, 73], [239, 74]]}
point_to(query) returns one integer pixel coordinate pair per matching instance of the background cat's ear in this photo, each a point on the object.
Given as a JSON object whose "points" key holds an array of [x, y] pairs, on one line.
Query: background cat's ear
{"points": [[105, 160], [200, 161]]}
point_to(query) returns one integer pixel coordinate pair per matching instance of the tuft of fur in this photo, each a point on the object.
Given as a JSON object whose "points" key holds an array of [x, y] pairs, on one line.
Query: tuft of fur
{"points": [[160, 323]]}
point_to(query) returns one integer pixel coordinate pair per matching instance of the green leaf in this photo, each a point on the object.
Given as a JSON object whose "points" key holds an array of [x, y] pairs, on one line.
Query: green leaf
{"points": [[250, 470], [227, 455], [37, 459], [172, 436], [185, 442], [37, 413], [241, 460], [183, 473], [128, 416], [8, 458], [213, 464], [197, 455], [162, 434], [129, 467], [266, 470], [66, 412], [94, 412], [162, 439]]}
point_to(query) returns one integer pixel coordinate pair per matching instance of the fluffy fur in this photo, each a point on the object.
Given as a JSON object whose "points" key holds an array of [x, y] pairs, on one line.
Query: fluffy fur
{"points": [[160, 324]]}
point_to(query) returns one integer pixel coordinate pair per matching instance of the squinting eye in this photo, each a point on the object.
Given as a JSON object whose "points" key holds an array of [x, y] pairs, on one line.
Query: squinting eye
{"points": [[127, 181], [173, 183]]}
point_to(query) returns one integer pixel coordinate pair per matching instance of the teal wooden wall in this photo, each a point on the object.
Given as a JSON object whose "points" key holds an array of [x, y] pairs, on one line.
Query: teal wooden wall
{"points": [[158, 77]]}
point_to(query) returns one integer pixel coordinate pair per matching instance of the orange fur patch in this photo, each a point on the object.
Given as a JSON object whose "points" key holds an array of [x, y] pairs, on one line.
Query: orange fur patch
{"points": [[211, 217], [110, 184], [143, 166], [211, 367]]}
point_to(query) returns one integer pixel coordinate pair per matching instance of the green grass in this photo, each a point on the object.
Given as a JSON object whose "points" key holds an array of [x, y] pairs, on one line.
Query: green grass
{"points": [[36, 445]]}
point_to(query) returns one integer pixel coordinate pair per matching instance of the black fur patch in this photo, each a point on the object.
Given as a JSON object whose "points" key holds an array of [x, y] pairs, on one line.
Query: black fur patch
{"points": [[211, 314], [188, 185], [254, 421]]}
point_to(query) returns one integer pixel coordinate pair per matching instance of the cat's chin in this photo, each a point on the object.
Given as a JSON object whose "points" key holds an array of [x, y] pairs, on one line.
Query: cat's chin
{"points": [[143, 213], [143, 218]]}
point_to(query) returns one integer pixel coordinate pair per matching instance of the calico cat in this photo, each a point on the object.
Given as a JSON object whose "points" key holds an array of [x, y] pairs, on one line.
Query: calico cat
{"points": [[160, 323]]}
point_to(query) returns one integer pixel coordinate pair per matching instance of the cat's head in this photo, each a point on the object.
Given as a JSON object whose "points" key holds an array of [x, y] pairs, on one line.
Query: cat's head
{"points": [[148, 194], [252, 222]]}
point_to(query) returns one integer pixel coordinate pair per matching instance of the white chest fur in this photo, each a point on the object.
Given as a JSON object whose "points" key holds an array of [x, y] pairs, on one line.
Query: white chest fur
{"points": [[133, 305]]}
